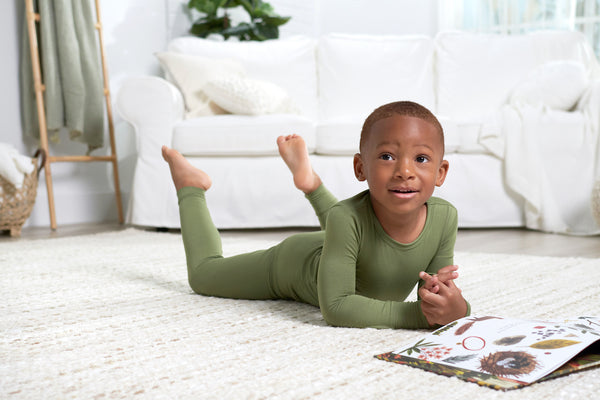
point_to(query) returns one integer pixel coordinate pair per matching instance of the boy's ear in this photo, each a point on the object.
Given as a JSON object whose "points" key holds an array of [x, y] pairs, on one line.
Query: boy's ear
{"points": [[359, 168], [442, 173]]}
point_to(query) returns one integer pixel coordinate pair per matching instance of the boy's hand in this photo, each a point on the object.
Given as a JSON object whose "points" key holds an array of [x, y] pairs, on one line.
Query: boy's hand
{"points": [[445, 306], [444, 275]]}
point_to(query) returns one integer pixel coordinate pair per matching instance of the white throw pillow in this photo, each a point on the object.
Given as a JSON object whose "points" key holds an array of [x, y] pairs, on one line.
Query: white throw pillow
{"points": [[191, 73], [249, 96], [556, 85], [289, 62]]}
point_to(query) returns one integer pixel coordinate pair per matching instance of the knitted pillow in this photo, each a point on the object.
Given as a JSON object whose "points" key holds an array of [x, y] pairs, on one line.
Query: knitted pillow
{"points": [[249, 96]]}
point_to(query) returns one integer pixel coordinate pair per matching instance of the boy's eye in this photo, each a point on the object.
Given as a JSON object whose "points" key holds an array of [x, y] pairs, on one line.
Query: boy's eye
{"points": [[386, 157], [422, 159]]}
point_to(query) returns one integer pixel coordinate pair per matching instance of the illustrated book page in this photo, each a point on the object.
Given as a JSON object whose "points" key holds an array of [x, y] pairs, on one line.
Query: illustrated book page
{"points": [[505, 353]]}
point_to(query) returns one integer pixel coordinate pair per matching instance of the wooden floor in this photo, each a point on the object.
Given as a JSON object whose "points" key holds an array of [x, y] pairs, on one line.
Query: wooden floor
{"points": [[513, 241]]}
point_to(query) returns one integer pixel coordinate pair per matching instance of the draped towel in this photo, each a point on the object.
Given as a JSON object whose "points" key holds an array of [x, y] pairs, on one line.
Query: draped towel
{"points": [[551, 159], [71, 72]]}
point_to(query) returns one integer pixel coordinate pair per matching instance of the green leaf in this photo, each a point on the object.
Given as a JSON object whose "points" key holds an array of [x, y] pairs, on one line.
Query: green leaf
{"points": [[230, 3], [263, 25], [241, 31], [208, 7], [207, 25], [247, 5], [276, 20], [265, 31], [263, 10]]}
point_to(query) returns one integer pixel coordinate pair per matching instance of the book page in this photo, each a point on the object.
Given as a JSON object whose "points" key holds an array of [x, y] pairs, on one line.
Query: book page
{"points": [[514, 349]]}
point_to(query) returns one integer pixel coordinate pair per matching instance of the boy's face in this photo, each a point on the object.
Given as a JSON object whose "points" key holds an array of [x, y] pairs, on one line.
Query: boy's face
{"points": [[402, 163]]}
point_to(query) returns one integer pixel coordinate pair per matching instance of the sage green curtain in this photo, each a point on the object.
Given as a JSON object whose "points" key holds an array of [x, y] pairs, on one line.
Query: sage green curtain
{"points": [[71, 71]]}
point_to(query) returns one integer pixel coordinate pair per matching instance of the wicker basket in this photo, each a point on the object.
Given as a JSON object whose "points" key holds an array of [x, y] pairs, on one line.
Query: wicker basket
{"points": [[596, 201], [16, 204]]}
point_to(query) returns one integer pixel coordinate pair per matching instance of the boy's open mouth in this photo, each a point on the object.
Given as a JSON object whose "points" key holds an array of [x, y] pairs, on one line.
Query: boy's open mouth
{"points": [[404, 192]]}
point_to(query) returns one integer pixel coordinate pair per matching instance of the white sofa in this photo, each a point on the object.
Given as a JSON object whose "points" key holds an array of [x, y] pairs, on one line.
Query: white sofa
{"points": [[487, 90]]}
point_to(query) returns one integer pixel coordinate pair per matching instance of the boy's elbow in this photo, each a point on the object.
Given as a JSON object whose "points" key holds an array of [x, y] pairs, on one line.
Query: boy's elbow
{"points": [[197, 286], [329, 315], [332, 321], [334, 316]]}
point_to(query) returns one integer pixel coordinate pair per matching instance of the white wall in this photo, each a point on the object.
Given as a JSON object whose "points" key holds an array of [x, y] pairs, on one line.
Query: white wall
{"points": [[133, 31], [377, 16]]}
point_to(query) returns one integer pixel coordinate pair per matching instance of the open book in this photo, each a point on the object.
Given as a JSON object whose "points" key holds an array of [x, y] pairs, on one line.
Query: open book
{"points": [[505, 353]]}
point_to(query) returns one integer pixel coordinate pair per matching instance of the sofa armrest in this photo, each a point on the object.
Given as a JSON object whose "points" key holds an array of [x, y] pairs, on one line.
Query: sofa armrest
{"points": [[152, 105], [589, 105]]}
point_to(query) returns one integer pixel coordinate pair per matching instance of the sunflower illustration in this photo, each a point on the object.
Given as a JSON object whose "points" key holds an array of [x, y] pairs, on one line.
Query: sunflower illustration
{"points": [[508, 363]]}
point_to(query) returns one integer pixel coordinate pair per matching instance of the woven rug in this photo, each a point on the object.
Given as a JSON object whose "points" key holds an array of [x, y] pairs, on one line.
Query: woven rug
{"points": [[111, 316]]}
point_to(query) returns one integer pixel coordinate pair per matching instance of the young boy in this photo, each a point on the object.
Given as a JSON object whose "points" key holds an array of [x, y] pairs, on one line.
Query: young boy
{"points": [[372, 248]]}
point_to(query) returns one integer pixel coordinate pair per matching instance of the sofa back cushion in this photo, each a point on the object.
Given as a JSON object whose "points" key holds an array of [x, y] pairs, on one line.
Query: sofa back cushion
{"points": [[557, 85], [289, 63], [476, 73], [358, 73]]}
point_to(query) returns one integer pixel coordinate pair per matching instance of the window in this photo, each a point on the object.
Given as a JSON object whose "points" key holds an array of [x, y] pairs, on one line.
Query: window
{"points": [[519, 16]]}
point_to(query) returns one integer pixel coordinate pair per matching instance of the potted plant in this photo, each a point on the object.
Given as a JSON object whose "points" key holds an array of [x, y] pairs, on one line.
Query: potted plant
{"points": [[263, 24]]}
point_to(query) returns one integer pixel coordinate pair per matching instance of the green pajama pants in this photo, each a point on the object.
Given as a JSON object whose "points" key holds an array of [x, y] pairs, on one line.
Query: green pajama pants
{"points": [[287, 270]]}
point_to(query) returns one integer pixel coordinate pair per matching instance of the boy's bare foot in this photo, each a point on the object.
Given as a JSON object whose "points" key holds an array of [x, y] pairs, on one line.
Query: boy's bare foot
{"points": [[183, 173], [293, 151]]}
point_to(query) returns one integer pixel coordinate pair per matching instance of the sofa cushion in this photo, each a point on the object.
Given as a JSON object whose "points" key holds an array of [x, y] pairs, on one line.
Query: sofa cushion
{"points": [[239, 135], [556, 84], [466, 137], [288, 62], [550, 45], [338, 136], [341, 136], [358, 73], [477, 72], [451, 136]]}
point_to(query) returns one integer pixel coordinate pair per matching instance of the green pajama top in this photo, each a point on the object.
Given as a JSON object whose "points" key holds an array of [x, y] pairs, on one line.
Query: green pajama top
{"points": [[355, 272]]}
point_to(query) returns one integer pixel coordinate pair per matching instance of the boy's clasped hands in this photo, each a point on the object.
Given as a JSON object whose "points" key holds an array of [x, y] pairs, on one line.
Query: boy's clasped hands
{"points": [[441, 299]]}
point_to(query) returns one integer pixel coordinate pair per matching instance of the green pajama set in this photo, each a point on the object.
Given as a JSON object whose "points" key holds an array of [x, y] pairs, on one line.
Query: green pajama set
{"points": [[352, 269]]}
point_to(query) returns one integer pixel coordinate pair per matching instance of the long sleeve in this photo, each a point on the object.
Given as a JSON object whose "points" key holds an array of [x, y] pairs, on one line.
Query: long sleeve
{"points": [[321, 201]]}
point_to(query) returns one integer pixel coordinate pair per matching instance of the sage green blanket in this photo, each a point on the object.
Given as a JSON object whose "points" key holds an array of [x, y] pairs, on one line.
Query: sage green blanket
{"points": [[71, 72]]}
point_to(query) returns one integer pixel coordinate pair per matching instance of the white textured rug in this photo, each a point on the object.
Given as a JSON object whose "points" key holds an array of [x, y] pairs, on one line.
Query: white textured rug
{"points": [[111, 316]]}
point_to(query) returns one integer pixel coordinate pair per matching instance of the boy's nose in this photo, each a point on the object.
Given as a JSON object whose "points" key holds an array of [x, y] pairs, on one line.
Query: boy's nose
{"points": [[404, 169]]}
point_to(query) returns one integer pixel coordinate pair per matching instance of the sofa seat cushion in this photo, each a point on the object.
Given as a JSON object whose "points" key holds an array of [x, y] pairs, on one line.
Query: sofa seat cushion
{"points": [[341, 136], [466, 136], [239, 135], [338, 136]]}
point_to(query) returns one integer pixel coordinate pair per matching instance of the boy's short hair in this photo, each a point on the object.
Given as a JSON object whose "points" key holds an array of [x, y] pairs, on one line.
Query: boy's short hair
{"points": [[405, 108]]}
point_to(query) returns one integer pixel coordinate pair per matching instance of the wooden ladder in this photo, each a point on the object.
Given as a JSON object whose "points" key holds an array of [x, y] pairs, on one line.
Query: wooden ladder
{"points": [[32, 18]]}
